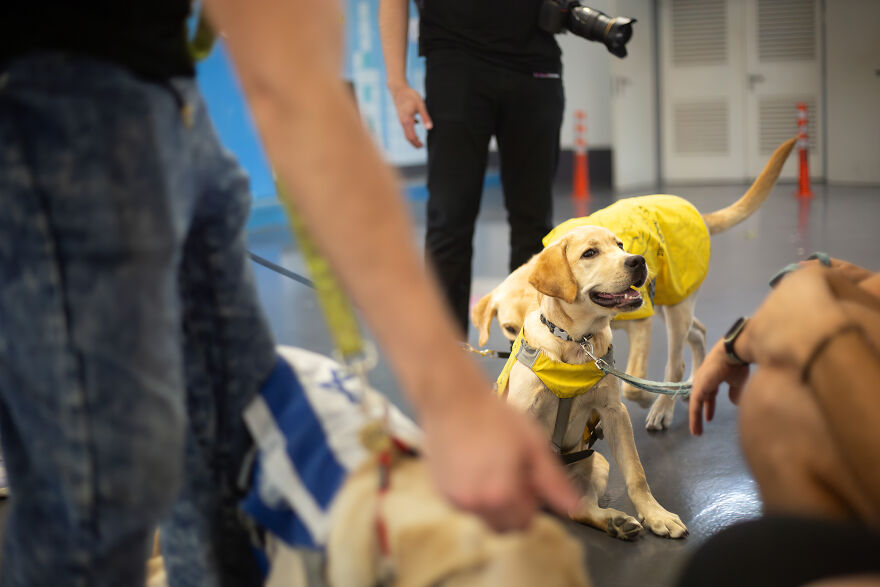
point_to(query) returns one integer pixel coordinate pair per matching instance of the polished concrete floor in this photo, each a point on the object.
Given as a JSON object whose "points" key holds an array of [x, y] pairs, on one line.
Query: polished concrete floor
{"points": [[704, 480]]}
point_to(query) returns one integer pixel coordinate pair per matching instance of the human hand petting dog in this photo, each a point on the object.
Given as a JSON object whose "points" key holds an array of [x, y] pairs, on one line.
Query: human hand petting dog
{"points": [[784, 332], [493, 461]]}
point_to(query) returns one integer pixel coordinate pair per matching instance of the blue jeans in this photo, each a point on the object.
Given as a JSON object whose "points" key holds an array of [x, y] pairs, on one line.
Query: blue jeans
{"points": [[130, 333]]}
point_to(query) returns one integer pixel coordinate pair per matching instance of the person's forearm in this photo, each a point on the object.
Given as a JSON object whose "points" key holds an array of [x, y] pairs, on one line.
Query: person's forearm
{"points": [[345, 192], [844, 378], [393, 31]]}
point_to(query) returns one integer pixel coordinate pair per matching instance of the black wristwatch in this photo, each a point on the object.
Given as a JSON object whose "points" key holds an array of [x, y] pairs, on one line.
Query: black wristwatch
{"points": [[730, 338]]}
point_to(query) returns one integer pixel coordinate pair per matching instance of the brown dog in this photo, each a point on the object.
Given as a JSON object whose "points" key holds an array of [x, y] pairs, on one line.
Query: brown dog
{"points": [[674, 238]]}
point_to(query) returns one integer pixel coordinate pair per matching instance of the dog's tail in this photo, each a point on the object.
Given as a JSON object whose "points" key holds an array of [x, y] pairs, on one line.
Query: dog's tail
{"points": [[721, 220]]}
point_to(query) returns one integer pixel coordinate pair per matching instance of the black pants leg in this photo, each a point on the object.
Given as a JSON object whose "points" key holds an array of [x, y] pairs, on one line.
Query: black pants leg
{"points": [[776, 551], [469, 101], [462, 108], [528, 142]]}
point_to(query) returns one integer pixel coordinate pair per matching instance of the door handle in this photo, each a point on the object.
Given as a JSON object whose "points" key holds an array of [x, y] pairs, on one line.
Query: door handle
{"points": [[754, 79]]}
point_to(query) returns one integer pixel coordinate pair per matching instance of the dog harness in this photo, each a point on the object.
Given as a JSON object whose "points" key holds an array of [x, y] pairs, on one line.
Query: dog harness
{"points": [[563, 379], [668, 232]]}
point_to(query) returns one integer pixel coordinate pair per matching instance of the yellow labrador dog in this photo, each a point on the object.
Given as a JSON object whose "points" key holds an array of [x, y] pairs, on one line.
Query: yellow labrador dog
{"points": [[429, 542], [433, 544], [674, 238], [583, 279]]}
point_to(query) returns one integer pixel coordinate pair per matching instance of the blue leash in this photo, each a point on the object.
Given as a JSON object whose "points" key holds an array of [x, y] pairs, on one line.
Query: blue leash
{"points": [[823, 258]]}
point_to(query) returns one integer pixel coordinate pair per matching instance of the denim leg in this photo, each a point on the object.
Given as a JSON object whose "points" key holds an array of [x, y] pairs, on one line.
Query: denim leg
{"points": [[229, 352], [91, 376]]}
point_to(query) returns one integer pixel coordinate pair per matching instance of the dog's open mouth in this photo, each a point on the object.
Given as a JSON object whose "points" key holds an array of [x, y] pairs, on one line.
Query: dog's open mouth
{"points": [[628, 299]]}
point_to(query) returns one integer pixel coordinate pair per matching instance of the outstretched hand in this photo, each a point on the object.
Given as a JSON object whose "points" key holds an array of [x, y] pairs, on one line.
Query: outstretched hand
{"points": [[490, 460], [409, 104], [714, 371]]}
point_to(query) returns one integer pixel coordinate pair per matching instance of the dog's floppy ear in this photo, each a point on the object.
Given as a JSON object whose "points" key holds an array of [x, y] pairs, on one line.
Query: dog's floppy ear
{"points": [[482, 315], [552, 274]]}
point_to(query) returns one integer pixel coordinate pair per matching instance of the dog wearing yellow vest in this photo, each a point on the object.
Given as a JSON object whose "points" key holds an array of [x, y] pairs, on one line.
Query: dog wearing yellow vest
{"points": [[674, 238], [583, 279]]}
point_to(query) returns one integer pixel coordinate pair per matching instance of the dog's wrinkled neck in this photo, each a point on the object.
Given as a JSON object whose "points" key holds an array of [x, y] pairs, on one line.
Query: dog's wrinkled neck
{"points": [[578, 323]]}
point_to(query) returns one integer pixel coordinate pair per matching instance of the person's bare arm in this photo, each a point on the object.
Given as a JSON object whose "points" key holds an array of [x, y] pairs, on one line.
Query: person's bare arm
{"points": [[287, 53], [845, 379], [393, 30], [831, 343]]}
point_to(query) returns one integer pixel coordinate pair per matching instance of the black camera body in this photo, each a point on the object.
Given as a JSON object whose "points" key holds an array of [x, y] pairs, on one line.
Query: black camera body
{"points": [[557, 16]]}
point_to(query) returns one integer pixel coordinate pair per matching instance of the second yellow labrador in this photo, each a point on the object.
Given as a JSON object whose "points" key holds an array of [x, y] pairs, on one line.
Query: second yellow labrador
{"points": [[674, 238]]}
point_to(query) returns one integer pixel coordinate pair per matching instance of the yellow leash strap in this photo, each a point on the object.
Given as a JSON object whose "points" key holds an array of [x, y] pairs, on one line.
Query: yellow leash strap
{"points": [[341, 320], [202, 42]]}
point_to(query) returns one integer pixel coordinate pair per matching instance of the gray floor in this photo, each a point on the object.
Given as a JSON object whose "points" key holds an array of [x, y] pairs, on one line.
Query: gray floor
{"points": [[703, 480]]}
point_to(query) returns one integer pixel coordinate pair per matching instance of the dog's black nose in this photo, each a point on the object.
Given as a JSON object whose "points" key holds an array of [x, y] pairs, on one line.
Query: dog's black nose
{"points": [[634, 261]]}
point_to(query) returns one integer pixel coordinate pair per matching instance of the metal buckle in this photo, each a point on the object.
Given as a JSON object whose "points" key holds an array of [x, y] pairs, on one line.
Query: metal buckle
{"points": [[600, 363]]}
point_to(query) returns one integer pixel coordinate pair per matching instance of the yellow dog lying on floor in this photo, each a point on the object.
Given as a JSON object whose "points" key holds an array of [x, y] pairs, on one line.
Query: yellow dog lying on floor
{"points": [[429, 542], [674, 238]]}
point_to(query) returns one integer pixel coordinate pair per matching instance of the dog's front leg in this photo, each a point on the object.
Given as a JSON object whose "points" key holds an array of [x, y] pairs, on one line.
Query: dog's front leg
{"points": [[591, 475], [619, 435]]}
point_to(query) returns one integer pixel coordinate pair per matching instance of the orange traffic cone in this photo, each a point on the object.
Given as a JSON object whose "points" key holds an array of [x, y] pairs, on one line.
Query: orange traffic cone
{"points": [[804, 173], [581, 180]]}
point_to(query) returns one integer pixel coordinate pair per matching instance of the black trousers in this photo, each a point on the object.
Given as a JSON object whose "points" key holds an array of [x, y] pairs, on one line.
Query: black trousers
{"points": [[777, 551], [469, 101]]}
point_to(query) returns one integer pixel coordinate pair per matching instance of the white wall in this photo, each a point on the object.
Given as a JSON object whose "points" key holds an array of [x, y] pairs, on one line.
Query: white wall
{"points": [[586, 73], [853, 90]]}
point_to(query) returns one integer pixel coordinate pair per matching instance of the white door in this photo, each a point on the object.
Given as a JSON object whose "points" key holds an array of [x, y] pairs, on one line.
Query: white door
{"points": [[853, 66], [633, 102], [783, 68], [702, 69]]}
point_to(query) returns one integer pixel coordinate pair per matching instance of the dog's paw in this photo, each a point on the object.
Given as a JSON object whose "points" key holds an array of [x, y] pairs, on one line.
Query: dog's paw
{"points": [[639, 396], [660, 416], [624, 527], [664, 523]]}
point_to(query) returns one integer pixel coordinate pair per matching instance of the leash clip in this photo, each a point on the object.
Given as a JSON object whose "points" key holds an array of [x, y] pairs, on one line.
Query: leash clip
{"points": [[587, 347]]}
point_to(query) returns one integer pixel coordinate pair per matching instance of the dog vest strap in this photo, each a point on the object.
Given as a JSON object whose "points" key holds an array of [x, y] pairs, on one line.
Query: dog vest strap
{"points": [[563, 379], [573, 457], [563, 412]]}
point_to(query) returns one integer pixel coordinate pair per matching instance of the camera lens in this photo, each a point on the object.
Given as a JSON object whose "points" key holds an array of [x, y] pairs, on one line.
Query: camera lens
{"points": [[595, 25]]}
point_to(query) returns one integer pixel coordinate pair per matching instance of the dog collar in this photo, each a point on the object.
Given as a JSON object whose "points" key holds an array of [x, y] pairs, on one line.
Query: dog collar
{"points": [[561, 333]]}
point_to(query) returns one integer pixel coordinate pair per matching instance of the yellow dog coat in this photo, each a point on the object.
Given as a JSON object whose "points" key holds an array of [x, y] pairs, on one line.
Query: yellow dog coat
{"points": [[668, 232], [563, 379]]}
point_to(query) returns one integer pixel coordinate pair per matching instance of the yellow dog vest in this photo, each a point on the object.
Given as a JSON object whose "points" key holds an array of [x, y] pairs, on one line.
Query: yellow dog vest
{"points": [[668, 232], [563, 379]]}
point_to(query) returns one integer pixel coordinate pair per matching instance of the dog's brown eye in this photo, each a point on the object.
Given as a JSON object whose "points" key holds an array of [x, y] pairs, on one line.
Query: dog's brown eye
{"points": [[620, 246], [590, 253]]}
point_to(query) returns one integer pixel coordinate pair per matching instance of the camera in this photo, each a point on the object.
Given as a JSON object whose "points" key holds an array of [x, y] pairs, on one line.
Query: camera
{"points": [[557, 16]]}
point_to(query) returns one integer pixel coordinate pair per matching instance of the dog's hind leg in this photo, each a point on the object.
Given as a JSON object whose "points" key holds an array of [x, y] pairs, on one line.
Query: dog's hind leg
{"points": [[638, 334], [679, 323], [697, 341], [591, 474]]}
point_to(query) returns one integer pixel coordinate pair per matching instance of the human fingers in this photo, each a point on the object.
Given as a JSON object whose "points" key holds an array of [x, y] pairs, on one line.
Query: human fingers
{"points": [[423, 113], [551, 484], [507, 506], [409, 130], [695, 414]]}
